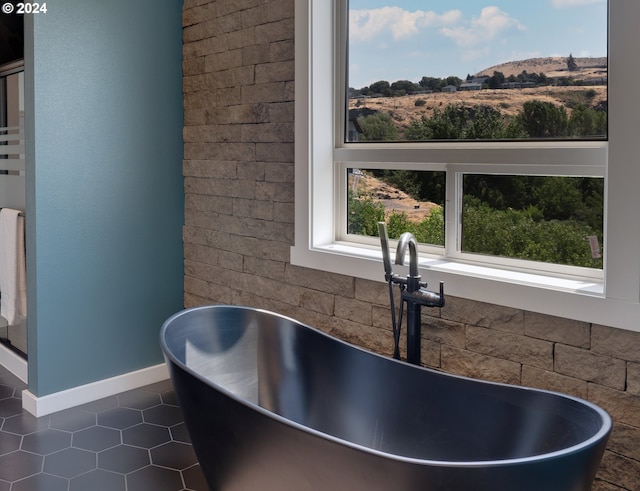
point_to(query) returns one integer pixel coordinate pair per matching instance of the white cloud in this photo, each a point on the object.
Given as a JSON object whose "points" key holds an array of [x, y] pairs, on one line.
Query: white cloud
{"points": [[563, 4], [364, 25], [491, 23], [367, 24]]}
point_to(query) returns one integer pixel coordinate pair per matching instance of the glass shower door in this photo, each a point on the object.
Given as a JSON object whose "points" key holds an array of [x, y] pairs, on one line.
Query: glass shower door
{"points": [[13, 331]]}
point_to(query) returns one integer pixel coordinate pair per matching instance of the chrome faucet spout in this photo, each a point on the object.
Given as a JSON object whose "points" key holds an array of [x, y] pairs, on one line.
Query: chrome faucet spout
{"points": [[408, 239]]}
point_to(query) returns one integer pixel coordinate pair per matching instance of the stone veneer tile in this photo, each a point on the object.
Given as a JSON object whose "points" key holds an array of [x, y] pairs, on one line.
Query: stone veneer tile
{"points": [[618, 343], [544, 379], [621, 470], [353, 310], [633, 378], [589, 366], [341, 285], [475, 365], [430, 354], [443, 331], [600, 485], [513, 347], [625, 440], [381, 317], [484, 315], [557, 329], [263, 267], [317, 301], [374, 292], [366, 336], [621, 406]]}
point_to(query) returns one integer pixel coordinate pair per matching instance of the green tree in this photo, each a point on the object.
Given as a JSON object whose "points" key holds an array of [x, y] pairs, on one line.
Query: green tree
{"points": [[402, 87], [381, 87], [431, 83], [544, 119], [363, 215], [587, 122], [453, 80], [572, 66], [496, 80], [520, 234], [457, 122], [378, 127]]}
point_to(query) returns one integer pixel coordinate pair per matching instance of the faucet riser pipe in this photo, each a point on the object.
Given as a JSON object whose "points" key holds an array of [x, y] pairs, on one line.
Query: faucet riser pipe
{"points": [[414, 333]]}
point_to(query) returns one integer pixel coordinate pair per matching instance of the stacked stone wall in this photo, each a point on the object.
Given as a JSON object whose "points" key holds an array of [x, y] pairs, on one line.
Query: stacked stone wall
{"points": [[239, 226]]}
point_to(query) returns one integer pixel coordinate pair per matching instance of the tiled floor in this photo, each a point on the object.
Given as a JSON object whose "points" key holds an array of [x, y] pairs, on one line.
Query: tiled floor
{"points": [[135, 441]]}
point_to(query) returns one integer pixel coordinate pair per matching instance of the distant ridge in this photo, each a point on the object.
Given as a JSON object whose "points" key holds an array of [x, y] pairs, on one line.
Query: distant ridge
{"points": [[553, 67]]}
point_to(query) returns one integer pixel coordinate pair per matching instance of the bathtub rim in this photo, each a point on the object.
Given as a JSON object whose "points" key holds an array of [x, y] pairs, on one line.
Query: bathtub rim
{"points": [[602, 433]]}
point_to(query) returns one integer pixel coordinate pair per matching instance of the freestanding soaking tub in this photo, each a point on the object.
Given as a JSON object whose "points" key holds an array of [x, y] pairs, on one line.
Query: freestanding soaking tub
{"points": [[274, 405]]}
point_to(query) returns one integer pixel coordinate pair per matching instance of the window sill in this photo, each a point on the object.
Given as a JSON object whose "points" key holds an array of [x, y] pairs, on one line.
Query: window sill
{"points": [[573, 298]]}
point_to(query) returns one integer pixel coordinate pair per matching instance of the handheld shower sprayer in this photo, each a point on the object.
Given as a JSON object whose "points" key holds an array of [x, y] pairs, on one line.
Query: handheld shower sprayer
{"points": [[391, 278]]}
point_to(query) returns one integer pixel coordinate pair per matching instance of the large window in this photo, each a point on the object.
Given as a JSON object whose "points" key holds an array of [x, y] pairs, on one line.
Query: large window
{"points": [[449, 74], [461, 70], [557, 167]]}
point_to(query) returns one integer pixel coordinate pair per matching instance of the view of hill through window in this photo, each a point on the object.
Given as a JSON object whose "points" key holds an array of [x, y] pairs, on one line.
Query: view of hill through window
{"points": [[510, 70], [465, 70]]}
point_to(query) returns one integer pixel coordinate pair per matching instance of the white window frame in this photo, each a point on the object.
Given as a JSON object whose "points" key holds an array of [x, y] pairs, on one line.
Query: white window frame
{"points": [[612, 299]]}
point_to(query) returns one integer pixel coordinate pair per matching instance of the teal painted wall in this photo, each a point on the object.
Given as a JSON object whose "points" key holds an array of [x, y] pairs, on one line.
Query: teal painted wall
{"points": [[104, 187]]}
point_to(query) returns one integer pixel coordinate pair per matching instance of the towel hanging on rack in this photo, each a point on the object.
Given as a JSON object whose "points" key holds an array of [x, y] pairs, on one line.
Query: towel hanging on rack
{"points": [[13, 292]]}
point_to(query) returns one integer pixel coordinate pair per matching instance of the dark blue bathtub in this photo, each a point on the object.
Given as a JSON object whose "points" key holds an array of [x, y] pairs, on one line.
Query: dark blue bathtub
{"points": [[275, 405]]}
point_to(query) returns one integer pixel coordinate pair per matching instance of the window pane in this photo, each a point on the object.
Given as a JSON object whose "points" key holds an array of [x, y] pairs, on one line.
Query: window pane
{"points": [[408, 201], [477, 71], [550, 219]]}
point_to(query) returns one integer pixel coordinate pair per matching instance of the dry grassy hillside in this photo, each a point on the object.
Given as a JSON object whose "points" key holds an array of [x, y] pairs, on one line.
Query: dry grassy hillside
{"points": [[508, 101], [553, 67], [393, 199]]}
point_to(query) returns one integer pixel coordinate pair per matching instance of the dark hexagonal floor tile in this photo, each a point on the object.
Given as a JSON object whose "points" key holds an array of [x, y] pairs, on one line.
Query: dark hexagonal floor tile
{"points": [[169, 397], [46, 441], [135, 441], [10, 407], [73, 419], [6, 391], [154, 478], [120, 418], [25, 423], [9, 442], [98, 480], [163, 415], [159, 387], [123, 459], [42, 482], [70, 462], [18, 465], [139, 399], [180, 434], [8, 378], [194, 479], [174, 455], [96, 438], [146, 435], [100, 405]]}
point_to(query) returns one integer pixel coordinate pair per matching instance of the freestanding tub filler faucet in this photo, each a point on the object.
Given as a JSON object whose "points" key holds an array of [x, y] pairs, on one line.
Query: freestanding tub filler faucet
{"points": [[413, 291]]}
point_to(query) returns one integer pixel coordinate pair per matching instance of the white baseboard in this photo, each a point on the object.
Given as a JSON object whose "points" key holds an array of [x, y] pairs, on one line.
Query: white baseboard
{"points": [[51, 403], [14, 363]]}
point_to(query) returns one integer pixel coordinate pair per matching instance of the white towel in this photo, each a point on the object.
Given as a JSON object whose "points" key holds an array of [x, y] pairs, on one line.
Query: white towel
{"points": [[13, 299]]}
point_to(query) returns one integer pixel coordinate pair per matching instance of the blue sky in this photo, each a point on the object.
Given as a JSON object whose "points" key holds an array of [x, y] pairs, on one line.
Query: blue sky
{"points": [[408, 39]]}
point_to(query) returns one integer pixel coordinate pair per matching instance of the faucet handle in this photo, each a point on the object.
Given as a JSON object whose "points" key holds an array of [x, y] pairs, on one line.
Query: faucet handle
{"points": [[426, 297], [441, 302]]}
